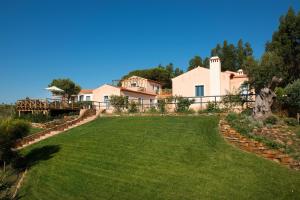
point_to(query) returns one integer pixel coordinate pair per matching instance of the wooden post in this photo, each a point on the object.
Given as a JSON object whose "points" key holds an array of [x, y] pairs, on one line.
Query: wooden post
{"points": [[298, 117]]}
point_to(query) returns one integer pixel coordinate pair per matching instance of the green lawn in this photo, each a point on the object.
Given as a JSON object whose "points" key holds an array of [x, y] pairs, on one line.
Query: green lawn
{"points": [[151, 158]]}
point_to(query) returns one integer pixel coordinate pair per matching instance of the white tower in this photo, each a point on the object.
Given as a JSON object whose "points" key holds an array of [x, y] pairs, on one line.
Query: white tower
{"points": [[215, 76]]}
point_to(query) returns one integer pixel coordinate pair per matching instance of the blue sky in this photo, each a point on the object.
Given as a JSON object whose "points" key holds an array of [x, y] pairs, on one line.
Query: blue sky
{"points": [[94, 42]]}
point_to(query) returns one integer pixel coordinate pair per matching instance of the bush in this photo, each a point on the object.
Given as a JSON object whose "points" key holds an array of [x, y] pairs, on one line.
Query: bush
{"points": [[247, 112], [291, 121], [152, 110], [10, 131], [161, 104], [133, 107], [212, 107], [271, 120], [119, 102], [37, 117], [231, 101], [183, 104], [292, 99]]}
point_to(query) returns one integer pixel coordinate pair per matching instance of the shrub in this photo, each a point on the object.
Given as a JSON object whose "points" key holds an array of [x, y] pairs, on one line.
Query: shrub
{"points": [[231, 117], [231, 101], [271, 120], [247, 112], [10, 131], [152, 109], [212, 107], [119, 102], [37, 117], [291, 121], [133, 107], [292, 99], [161, 104], [183, 104]]}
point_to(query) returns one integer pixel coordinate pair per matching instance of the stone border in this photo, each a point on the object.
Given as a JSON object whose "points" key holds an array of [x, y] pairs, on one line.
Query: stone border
{"points": [[19, 183], [253, 146]]}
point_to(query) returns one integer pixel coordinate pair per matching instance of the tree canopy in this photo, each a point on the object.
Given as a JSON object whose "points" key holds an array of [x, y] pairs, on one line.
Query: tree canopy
{"points": [[233, 57], [69, 87], [162, 74], [282, 55]]}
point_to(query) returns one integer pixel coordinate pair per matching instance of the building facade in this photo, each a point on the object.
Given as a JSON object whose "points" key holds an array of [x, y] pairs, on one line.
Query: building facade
{"points": [[142, 91], [208, 82]]}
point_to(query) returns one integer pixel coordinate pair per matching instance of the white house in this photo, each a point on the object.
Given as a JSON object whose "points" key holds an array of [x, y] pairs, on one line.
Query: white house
{"points": [[207, 82]]}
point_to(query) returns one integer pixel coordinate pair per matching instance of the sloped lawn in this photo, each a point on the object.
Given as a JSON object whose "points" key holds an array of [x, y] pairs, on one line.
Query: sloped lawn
{"points": [[151, 158]]}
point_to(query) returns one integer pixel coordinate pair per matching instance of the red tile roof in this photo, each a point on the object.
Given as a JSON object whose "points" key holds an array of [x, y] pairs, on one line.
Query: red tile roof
{"points": [[139, 92], [86, 91]]}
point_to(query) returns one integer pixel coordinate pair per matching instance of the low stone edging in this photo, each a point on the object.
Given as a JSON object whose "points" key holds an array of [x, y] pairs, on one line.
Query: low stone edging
{"points": [[253, 146]]}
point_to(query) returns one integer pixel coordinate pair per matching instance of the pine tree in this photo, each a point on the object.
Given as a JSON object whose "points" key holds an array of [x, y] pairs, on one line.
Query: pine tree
{"points": [[286, 44], [195, 62]]}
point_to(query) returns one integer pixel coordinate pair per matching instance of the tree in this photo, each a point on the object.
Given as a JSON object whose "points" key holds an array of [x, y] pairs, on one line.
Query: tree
{"points": [[178, 72], [232, 57], [118, 102], [69, 87], [160, 73], [292, 98], [261, 73], [265, 99], [286, 45], [195, 62]]}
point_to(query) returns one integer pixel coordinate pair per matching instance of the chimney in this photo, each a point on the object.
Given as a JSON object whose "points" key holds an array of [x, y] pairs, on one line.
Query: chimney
{"points": [[215, 76]]}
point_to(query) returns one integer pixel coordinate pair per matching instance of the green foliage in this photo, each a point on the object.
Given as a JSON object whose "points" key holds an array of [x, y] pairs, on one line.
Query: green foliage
{"points": [[282, 56], [37, 117], [6, 111], [195, 62], [10, 131], [152, 109], [291, 121], [133, 107], [292, 99], [271, 120], [118, 102], [231, 101], [245, 125], [212, 107], [261, 72], [233, 57], [247, 112], [69, 87], [286, 45], [183, 104], [159, 73], [161, 104]]}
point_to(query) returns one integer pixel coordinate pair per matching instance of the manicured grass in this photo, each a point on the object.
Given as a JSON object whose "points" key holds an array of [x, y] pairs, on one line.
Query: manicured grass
{"points": [[151, 158]]}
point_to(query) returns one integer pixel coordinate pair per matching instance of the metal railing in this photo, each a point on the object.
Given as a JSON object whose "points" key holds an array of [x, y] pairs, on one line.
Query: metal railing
{"points": [[197, 102]]}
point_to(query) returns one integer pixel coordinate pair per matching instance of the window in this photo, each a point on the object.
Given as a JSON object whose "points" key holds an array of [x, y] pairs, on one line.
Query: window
{"points": [[199, 90], [133, 84], [81, 98], [88, 98], [105, 98]]}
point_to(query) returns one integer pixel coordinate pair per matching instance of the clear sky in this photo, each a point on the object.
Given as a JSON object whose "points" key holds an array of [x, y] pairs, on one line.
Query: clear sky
{"points": [[94, 42]]}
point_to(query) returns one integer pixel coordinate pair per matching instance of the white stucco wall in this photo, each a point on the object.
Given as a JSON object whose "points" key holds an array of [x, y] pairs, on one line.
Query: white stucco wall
{"points": [[85, 97], [215, 76], [184, 85]]}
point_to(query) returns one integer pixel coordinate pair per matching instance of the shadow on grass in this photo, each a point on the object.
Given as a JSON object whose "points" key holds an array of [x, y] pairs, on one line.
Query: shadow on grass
{"points": [[40, 154], [36, 155]]}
